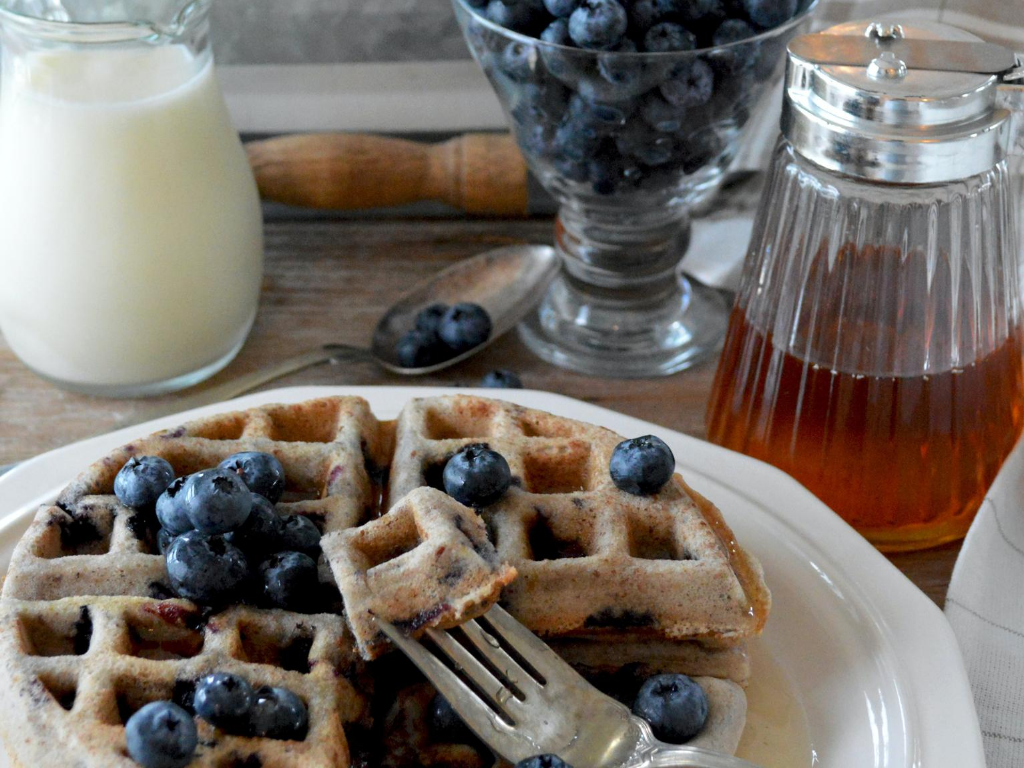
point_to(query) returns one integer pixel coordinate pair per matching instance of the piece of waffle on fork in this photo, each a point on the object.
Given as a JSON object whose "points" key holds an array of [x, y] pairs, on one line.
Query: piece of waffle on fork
{"points": [[426, 563]]}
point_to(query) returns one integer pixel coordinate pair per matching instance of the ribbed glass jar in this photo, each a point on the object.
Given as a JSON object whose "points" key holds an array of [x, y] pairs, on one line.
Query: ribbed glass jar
{"points": [[875, 349]]}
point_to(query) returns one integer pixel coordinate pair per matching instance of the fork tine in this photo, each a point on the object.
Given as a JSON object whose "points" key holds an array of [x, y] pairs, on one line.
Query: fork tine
{"points": [[476, 712], [488, 647], [531, 648], [477, 673], [448, 683]]}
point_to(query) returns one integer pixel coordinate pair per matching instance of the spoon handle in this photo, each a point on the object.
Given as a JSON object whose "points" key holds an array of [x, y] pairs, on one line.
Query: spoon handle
{"points": [[250, 381]]}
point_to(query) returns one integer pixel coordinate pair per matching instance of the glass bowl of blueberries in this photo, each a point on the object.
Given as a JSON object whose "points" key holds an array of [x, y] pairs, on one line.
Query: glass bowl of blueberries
{"points": [[629, 112]]}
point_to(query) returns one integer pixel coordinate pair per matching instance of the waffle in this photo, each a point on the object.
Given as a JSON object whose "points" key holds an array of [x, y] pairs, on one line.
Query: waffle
{"points": [[591, 558], [426, 563], [87, 635], [89, 632]]}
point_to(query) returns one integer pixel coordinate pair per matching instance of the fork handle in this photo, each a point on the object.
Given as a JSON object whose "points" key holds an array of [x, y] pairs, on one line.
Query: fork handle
{"points": [[662, 755]]}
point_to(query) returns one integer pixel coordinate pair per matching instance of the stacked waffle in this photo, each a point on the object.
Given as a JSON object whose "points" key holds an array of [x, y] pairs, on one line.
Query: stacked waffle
{"points": [[624, 586]]}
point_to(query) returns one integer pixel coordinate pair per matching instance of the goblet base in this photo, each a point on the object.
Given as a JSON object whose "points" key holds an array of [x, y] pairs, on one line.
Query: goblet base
{"points": [[616, 336]]}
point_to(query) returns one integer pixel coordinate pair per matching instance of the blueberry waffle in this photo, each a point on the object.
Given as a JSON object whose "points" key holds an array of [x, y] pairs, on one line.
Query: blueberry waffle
{"points": [[92, 629]]}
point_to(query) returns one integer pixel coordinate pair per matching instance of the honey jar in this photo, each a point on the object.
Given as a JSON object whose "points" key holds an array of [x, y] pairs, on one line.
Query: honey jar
{"points": [[875, 349]]}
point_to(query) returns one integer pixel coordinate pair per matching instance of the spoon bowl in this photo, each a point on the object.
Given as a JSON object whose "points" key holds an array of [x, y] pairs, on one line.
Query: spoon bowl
{"points": [[507, 282]]}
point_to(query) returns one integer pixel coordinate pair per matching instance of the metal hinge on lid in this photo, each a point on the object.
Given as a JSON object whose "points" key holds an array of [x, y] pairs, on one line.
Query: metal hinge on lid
{"points": [[947, 56]]}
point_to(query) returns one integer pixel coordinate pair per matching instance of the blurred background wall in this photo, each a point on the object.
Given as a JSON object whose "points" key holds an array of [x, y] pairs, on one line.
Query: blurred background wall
{"points": [[402, 66], [337, 31]]}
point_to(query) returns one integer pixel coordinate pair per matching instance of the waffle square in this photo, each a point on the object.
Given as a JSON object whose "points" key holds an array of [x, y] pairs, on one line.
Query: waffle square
{"points": [[79, 667], [426, 563]]}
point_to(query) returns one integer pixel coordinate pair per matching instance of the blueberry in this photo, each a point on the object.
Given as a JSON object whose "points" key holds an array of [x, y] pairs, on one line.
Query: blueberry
{"points": [[611, 173], [622, 71], [262, 473], [277, 713], [477, 476], [428, 319], [290, 580], [444, 723], [557, 33], [216, 500], [643, 14], [662, 116], [141, 480], [419, 349], [170, 508], [770, 13], [562, 64], [543, 761], [571, 170], [540, 103], [692, 10], [640, 141], [642, 465], [732, 31], [206, 569], [674, 706], [667, 37], [519, 61], [224, 700], [598, 24], [535, 139], [299, 534], [561, 9], [501, 379], [161, 735], [261, 533], [691, 88], [164, 539], [701, 148], [464, 327], [595, 117], [525, 17]]}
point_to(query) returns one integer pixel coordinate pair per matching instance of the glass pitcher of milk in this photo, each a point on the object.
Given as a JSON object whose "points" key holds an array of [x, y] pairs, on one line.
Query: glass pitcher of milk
{"points": [[131, 240]]}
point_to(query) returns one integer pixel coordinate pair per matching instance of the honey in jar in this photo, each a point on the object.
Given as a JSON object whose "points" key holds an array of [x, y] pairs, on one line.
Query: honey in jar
{"points": [[904, 459]]}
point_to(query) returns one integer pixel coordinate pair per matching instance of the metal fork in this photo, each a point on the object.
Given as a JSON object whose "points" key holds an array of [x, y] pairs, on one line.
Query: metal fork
{"points": [[521, 699]]}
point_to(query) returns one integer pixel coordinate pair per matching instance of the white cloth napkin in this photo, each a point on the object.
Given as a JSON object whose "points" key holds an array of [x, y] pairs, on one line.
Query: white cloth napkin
{"points": [[985, 605]]}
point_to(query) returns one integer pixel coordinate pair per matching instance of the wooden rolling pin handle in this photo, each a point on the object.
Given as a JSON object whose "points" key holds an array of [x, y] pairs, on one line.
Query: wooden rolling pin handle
{"points": [[482, 174]]}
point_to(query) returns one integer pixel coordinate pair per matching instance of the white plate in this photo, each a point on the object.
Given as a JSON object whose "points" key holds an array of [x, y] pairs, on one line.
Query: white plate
{"points": [[869, 657]]}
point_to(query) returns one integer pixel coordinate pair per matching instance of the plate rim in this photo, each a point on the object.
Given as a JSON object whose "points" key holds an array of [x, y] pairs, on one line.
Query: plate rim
{"points": [[873, 579]]}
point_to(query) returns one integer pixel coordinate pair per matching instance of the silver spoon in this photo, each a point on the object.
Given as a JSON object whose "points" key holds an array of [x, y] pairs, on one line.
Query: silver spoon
{"points": [[507, 282]]}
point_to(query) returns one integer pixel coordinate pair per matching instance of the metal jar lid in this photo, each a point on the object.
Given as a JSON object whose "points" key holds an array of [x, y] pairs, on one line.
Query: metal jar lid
{"points": [[871, 102]]}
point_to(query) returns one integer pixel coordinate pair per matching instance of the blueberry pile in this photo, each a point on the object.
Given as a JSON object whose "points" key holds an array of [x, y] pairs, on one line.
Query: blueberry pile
{"points": [[221, 536], [163, 734], [599, 119], [442, 332]]}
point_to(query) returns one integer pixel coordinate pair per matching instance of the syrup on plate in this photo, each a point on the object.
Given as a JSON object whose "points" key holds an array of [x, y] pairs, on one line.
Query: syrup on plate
{"points": [[776, 734]]}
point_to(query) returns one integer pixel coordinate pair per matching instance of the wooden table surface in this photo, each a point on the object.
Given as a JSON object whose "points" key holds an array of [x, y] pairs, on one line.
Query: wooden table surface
{"points": [[328, 281]]}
